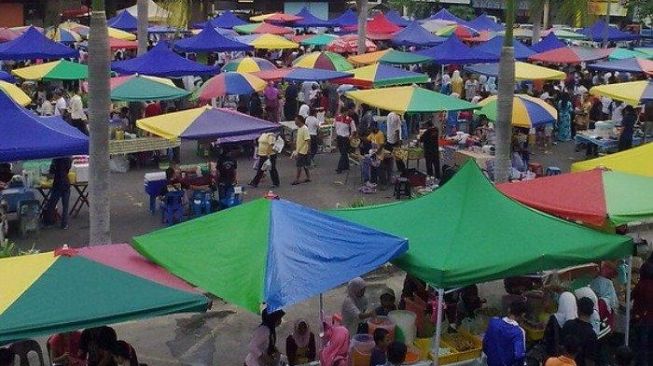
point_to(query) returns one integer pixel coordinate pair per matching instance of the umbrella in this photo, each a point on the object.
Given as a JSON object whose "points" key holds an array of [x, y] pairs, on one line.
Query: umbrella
{"points": [[248, 64], [301, 74], [527, 111], [394, 17], [16, 93], [550, 42], [134, 88], [639, 65], [229, 83], [267, 41], [346, 19], [63, 35], [349, 44], [161, 61], [286, 253], [276, 17], [310, 20], [206, 123], [5, 76], [380, 75], [389, 56], [633, 92], [7, 34], [571, 55], [101, 295], [55, 70], [116, 44], [410, 99], [494, 46], [598, 198], [117, 33], [262, 28], [624, 53], [523, 71], [416, 35], [323, 60], [319, 40], [84, 30]]}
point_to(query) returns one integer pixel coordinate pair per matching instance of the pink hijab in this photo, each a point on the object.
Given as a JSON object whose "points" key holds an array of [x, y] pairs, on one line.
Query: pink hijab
{"points": [[336, 350]]}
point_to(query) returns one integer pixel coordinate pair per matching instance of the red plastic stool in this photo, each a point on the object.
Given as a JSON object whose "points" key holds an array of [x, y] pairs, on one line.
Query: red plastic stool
{"points": [[536, 168]]}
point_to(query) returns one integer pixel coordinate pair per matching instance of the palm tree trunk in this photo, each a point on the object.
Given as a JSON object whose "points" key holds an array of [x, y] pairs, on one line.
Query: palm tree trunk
{"points": [[99, 105], [362, 25], [503, 125], [141, 30]]}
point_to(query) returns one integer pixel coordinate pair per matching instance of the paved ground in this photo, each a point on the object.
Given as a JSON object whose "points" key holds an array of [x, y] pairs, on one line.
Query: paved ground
{"points": [[220, 336]]}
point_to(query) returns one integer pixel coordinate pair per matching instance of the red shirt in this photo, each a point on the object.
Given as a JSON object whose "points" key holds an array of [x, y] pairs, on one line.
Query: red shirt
{"points": [[152, 109], [59, 346]]}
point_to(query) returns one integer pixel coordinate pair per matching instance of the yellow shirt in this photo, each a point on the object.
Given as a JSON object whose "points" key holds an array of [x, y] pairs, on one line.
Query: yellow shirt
{"points": [[377, 138], [265, 144], [301, 143]]}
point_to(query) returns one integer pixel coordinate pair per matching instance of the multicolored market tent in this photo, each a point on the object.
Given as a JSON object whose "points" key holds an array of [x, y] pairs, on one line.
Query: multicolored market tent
{"points": [[494, 45], [624, 53], [84, 31], [571, 55], [633, 65], [634, 161], [349, 44], [262, 28], [346, 19], [267, 42], [485, 23], [123, 21], [527, 111], [548, 43], [15, 93], [310, 20], [482, 235], [209, 40], [206, 123], [380, 75], [597, 32], [319, 40], [324, 60], [301, 74], [458, 30], [226, 20], [26, 136], [50, 293], [134, 88], [453, 51], [523, 71], [55, 70], [248, 64], [269, 251], [63, 35], [32, 45], [632, 92], [415, 35], [229, 83], [410, 99], [598, 198], [395, 18], [276, 18], [161, 61], [389, 56]]}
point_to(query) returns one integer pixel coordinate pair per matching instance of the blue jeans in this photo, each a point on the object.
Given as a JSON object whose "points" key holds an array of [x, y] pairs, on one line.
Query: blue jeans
{"points": [[62, 193]]}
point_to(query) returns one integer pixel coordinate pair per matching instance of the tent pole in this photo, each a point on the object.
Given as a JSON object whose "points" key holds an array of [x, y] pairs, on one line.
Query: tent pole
{"points": [[438, 326], [629, 277], [321, 308]]}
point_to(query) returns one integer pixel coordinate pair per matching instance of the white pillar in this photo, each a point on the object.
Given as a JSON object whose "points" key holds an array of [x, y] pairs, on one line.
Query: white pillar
{"points": [[438, 327]]}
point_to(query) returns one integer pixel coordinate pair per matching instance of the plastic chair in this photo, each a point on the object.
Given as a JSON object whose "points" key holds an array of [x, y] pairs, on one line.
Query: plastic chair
{"points": [[22, 350], [172, 208], [553, 170]]}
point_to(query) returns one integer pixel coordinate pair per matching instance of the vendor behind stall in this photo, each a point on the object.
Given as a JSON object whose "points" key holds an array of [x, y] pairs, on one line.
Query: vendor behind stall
{"points": [[5, 174]]}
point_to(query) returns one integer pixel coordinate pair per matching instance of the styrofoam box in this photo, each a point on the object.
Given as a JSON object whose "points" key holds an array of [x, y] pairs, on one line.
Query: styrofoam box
{"points": [[149, 177]]}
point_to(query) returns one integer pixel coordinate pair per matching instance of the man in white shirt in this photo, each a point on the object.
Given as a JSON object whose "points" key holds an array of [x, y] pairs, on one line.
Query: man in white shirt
{"points": [[393, 134], [304, 110], [307, 87], [313, 125], [345, 127], [60, 105], [617, 112], [77, 114]]}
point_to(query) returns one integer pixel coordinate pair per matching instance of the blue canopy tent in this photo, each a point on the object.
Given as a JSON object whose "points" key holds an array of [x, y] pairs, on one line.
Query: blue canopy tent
{"points": [[347, 19], [123, 21], [209, 40], [162, 29], [161, 61], [493, 46], [453, 51], [548, 43], [415, 35], [32, 45], [485, 23], [5, 76], [445, 14], [226, 20], [26, 136], [394, 17], [632, 65], [596, 32], [310, 20]]}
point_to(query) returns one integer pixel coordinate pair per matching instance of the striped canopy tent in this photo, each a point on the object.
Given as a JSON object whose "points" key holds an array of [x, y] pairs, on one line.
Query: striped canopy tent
{"points": [[527, 111], [389, 56], [323, 60], [262, 28], [267, 42], [380, 75], [248, 64]]}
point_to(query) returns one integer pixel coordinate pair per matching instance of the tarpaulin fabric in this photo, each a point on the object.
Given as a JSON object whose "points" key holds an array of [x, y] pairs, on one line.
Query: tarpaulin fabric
{"points": [[637, 65], [415, 35], [380, 75], [410, 99], [276, 17], [523, 71], [267, 41], [52, 294], [262, 28], [301, 74], [634, 161], [624, 53], [134, 88], [229, 83], [63, 35], [379, 24], [467, 232], [5, 76], [271, 251], [597, 197], [55, 70], [632, 92], [389, 56], [123, 21], [527, 111], [161, 61], [458, 30], [571, 55], [347, 18], [32, 44], [226, 20], [319, 40], [485, 23], [209, 40], [349, 44], [26, 136], [205, 123], [395, 18], [445, 14], [324, 60], [248, 64], [597, 31], [16, 93], [550, 42], [310, 20], [494, 45], [453, 51]]}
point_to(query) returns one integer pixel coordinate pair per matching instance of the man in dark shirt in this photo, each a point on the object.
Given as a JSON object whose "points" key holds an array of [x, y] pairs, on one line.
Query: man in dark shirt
{"points": [[227, 166], [60, 190], [430, 139], [582, 329]]}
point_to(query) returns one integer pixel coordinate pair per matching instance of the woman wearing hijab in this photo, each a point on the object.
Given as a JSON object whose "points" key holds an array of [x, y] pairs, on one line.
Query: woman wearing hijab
{"points": [[336, 346], [271, 94], [565, 109], [354, 307], [567, 310], [300, 345], [457, 83], [446, 84], [262, 349]]}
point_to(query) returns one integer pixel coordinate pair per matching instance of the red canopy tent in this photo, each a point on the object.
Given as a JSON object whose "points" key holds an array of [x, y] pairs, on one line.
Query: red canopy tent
{"points": [[572, 55]]}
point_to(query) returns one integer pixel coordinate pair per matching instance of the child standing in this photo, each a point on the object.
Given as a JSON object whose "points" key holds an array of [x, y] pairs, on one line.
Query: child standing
{"points": [[381, 342]]}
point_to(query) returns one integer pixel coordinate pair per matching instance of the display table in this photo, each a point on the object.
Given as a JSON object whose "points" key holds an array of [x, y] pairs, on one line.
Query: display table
{"points": [[141, 144], [408, 154], [82, 196], [460, 157], [602, 144]]}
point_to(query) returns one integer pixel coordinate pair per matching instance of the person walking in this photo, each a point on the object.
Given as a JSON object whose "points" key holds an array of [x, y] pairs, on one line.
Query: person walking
{"points": [[628, 128], [77, 114], [59, 170], [565, 109], [313, 125], [302, 142], [271, 96], [266, 153], [430, 140], [505, 341], [345, 128]]}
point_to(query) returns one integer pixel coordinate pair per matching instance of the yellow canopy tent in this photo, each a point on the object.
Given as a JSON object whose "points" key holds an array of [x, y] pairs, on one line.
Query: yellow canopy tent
{"points": [[635, 161]]}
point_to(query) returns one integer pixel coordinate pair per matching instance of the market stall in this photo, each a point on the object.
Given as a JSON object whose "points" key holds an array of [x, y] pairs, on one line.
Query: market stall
{"points": [[161, 61], [32, 44]]}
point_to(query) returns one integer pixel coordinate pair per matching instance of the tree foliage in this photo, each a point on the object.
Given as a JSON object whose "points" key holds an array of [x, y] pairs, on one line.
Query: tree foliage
{"points": [[414, 8], [641, 9], [463, 12]]}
